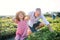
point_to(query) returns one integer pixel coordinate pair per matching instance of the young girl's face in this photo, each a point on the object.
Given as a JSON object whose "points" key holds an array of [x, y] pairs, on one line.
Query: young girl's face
{"points": [[21, 16]]}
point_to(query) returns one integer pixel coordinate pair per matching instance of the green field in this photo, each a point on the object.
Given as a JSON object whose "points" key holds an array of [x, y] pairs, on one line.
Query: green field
{"points": [[8, 27], [45, 34]]}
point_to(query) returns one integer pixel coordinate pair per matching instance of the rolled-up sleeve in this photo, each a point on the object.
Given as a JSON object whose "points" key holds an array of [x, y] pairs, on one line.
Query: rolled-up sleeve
{"points": [[44, 19], [30, 23]]}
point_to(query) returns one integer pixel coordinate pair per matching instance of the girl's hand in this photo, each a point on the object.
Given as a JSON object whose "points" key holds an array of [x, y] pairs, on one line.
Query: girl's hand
{"points": [[29, 32], [27, 17]]}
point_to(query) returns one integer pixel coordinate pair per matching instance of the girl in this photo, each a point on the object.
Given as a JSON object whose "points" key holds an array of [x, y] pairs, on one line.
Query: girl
{"points": [[21, 32]]}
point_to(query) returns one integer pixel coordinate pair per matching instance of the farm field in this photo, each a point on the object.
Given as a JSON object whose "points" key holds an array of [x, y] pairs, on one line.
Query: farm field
{"points": [[8, 29]]}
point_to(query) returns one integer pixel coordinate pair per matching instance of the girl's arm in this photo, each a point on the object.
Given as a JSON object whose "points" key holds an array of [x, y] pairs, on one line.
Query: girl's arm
{"points": [[27, 17], [15, 20]]}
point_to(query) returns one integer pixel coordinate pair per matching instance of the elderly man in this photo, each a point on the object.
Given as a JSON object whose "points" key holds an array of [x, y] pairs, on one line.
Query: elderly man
{"points": [[34, 20]]}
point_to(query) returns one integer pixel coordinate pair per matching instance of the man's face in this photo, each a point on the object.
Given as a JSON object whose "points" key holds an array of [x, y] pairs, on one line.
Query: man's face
{"points": [[37, 13]]}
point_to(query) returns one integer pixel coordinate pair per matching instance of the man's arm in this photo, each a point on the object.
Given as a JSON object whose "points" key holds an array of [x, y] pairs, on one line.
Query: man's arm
{"points": [[50, 28], [46, 22]]}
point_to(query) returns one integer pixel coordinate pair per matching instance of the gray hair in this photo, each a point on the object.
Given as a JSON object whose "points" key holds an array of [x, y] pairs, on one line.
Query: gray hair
{"points": [[38, 9]]}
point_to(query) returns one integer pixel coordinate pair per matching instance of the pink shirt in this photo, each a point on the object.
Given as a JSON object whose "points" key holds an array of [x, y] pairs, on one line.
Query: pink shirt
{"points": [[21, 27]]}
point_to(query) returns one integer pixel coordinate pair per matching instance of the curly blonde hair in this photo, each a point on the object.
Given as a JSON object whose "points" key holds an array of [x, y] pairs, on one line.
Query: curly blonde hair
{"points": [[17, 15]]}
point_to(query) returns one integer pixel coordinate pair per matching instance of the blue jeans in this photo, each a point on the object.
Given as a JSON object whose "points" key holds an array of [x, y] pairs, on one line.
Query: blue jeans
{"points": [[33, 29], [34, 26]]}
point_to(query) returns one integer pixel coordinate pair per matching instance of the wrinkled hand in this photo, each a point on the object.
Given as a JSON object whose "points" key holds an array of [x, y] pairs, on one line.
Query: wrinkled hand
{"points": [[50, 28]]}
